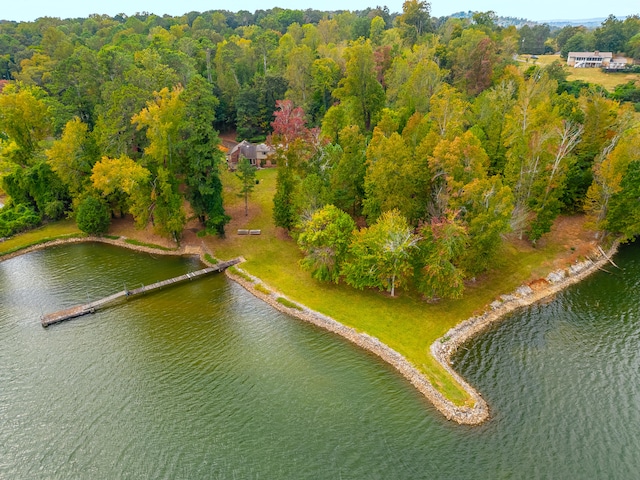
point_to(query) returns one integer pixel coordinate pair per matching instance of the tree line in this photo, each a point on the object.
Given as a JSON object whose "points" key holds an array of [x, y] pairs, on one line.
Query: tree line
{"points": [[422, 131]]}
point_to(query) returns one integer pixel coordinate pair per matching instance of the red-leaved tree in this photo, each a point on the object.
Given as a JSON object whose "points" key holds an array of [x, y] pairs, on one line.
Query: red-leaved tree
{"points": [[289, 124]]}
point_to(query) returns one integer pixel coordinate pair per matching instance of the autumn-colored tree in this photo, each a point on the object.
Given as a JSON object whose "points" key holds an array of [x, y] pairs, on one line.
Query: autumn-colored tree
{"points": [[289, 123], [73, 156], [448, 112], [447, 118], [125, 185], [162, 119], [475, 57], [25, 121], [608, 174], [458, 162]]}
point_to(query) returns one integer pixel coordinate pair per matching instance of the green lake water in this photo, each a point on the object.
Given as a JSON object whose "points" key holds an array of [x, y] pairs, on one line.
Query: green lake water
{"points": [[204, 381]]}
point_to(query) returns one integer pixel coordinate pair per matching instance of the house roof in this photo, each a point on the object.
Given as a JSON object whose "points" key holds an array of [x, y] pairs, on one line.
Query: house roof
{"points": [[591, 54], [250, 150]]}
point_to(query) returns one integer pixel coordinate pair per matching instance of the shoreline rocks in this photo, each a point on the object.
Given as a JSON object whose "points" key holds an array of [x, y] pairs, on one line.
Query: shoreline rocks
{"points": [[443, 348], [461, 414]]}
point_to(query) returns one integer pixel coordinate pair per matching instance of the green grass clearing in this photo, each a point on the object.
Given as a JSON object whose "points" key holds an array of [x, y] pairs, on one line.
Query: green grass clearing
{"points": [[53, 231]]}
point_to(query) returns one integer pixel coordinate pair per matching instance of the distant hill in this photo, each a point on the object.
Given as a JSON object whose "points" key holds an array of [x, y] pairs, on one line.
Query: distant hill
{"points": [[558, 23], [502, 21], [589, 23]]}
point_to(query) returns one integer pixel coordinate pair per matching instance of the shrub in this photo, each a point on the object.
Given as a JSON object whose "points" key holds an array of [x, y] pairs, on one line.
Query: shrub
{"points": [[54, 209], [17, 219], [93, 216]]}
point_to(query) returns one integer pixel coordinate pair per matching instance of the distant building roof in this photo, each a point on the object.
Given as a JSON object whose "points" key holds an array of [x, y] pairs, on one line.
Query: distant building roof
{"points": [[591, 54]]}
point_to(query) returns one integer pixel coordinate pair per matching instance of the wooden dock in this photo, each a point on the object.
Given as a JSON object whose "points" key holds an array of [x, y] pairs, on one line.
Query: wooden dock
{"points": [[79, 310]]}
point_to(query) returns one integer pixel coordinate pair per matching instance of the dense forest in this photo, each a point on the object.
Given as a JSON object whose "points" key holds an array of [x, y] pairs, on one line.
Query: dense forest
{"points": [[424, 132]]}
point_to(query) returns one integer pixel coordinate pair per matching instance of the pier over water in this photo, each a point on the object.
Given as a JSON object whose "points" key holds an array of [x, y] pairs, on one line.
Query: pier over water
{"points": [[91, 307]]}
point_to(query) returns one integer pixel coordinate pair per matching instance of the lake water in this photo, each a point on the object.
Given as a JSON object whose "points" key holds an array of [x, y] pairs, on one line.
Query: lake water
{"points": [[205, 381]]}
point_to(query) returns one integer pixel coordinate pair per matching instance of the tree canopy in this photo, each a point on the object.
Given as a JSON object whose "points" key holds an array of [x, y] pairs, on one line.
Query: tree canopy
{"points": [[423, 131]]}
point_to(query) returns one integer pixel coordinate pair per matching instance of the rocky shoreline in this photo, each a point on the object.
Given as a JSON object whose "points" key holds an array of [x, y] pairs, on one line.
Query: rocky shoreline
{"points": [[442, 349], [445, 347], [460, 414]]}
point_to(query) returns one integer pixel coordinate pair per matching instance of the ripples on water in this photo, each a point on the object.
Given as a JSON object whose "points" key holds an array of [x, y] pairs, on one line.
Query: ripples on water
{"points": [[204, 381]]}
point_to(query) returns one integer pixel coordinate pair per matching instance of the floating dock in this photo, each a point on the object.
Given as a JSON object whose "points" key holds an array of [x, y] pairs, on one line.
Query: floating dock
{"points": [[79, 310]]}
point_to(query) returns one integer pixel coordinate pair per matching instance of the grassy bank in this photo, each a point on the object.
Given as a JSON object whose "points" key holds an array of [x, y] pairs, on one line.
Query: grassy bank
{"points": [[407, 324], [46, 233]]}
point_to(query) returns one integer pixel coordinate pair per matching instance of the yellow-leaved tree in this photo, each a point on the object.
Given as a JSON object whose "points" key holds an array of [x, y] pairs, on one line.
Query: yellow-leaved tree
{"points": [[125, 186]]}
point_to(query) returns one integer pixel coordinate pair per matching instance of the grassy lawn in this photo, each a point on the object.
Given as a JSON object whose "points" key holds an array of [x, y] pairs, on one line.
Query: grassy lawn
{"points": [[53, 231], [407, 323], [591, 75]]}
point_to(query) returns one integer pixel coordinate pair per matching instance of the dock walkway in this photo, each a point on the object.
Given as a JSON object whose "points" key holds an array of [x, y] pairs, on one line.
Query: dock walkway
{"points": [[79, 310]]}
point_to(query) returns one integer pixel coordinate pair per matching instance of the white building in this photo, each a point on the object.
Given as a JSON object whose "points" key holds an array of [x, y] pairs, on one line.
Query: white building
{"points": [[589, 59]]}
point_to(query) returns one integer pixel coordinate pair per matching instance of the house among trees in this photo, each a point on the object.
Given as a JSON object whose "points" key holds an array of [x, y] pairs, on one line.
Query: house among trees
{"points": [[589, 59], [257, 154]]}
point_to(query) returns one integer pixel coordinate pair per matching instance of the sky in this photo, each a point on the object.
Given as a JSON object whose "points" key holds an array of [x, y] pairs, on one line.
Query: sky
{"points": [[540, 10]]}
